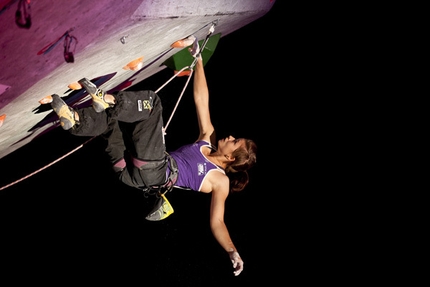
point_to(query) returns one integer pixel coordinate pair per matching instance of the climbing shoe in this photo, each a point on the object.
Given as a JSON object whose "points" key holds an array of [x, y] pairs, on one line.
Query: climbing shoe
{"points": [[162, 209], [97, 94], [65, 113]]}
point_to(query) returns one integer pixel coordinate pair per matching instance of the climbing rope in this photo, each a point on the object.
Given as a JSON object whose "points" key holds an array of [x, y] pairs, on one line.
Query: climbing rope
{"points": [[180, 96], [48, 165], [190, 67]]}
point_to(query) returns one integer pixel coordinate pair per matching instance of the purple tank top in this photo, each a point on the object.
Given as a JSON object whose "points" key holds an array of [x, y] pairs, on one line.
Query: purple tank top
{"points": [[193, 166]]}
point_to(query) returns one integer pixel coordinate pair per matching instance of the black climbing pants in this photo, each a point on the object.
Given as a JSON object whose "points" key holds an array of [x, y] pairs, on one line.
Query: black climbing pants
{"points": [[133, 128]]}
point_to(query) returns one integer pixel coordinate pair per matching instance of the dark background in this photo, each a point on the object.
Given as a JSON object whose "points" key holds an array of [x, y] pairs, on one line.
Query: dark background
{"points": [[75, 222]]}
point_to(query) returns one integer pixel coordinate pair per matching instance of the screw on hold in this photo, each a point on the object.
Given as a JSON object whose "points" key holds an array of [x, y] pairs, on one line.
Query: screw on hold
{"points": [[123, 39]]}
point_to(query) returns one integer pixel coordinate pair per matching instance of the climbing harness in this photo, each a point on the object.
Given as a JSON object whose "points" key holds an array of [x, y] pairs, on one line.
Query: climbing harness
{"points": [[170, 182], [162, 207]]}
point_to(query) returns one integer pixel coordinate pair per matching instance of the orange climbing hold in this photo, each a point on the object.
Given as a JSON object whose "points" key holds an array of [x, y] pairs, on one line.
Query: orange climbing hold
{"points": [[75, 86], [134, 65], [184, 42], [46, 100], [2, 118], [183, 73]]}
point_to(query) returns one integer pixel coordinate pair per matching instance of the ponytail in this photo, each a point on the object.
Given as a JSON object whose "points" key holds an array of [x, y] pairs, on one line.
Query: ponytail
{"points": [[237, 172]]}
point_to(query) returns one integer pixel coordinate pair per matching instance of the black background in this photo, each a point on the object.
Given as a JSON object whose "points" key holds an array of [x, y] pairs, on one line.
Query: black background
{"points": [[74, 222]]}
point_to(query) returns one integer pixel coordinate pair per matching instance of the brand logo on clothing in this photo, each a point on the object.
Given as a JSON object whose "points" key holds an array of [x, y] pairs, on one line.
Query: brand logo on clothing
{"points": [[201, 168], [143, 105]]}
